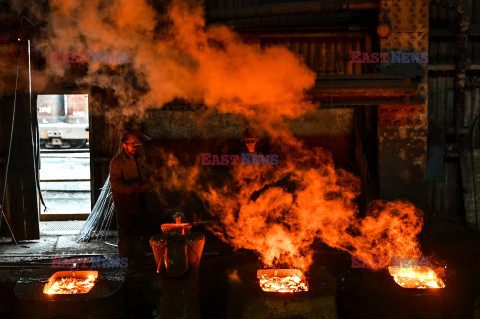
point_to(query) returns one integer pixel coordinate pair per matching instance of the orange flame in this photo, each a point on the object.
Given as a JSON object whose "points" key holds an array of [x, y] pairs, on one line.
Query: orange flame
{"points": [[282, 284], [282, 280], [278, 211], [71, 285], [420, 278]]}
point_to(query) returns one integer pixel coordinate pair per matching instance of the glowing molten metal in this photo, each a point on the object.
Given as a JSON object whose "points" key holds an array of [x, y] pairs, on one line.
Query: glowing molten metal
{"points": [[70, 282], [282, 280], [420, 278]]}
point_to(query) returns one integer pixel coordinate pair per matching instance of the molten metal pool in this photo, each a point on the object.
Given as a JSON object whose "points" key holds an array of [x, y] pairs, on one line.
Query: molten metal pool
{"points": [[420, 278], [70, 282], [282, 280]]}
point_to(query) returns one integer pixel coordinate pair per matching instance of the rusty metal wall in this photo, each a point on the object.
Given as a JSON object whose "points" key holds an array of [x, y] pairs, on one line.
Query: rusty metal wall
{"points": [[402, 129]]}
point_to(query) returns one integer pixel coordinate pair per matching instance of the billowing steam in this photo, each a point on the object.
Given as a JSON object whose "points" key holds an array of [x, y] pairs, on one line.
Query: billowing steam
{"points": [[182, 59], [277, 211]]}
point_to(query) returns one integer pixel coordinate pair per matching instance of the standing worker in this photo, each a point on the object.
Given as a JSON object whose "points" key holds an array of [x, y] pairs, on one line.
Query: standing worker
{"points": [[250, 138], [128, 190]]}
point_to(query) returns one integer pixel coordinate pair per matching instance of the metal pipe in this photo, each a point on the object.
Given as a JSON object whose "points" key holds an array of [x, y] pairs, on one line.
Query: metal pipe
{"points": [[290, 8]]}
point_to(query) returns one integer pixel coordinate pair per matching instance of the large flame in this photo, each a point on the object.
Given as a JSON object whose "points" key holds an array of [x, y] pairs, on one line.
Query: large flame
{"points": [[278, 211]]}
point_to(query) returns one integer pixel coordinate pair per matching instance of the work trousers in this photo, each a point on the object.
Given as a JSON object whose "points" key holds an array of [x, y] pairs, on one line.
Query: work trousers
{"points": [[130, 242]]}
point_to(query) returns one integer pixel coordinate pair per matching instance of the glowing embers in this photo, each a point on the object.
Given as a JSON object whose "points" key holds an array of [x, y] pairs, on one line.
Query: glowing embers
{"points": [[70, 282], [420, 278], [282, 280]]}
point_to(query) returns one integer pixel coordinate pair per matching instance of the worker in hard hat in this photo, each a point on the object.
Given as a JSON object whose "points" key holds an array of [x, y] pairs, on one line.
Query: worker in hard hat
{"points": [[250, 138], [128, 189]]}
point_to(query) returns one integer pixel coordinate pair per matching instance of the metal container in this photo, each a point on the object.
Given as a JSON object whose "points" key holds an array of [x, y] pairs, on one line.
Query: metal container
{"points": [[177, 249]]}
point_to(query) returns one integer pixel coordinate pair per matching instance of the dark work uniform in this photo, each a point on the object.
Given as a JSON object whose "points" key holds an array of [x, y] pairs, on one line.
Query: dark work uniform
{"points": [[129, 204]]}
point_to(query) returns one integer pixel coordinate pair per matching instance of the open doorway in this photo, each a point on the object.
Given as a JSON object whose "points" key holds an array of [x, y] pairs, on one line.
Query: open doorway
{"points": [[64, 162]]}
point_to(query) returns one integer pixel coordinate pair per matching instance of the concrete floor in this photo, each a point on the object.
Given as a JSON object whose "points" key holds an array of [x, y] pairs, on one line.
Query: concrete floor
{"points": [[53, 246], [144, 289]]}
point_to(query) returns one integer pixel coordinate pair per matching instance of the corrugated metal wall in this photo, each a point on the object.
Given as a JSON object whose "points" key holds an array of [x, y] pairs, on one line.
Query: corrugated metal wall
{"points": [[445, 193], [472, 104], [445, 16], [445, 184], [324, 55], [441, 106], [445, 197]]}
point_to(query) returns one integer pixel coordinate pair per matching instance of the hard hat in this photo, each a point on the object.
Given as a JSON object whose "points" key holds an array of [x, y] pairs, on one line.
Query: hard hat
{"points": [[250, 134]]}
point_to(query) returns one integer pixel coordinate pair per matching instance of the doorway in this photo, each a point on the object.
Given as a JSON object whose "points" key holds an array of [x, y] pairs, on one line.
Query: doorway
{"points": [[63, 123]]}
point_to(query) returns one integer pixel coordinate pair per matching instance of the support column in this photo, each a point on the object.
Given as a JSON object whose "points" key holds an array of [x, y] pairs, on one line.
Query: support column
{"points": [[402, 129]]}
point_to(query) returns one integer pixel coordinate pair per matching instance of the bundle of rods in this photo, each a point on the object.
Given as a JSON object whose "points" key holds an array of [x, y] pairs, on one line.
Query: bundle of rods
{"points": [[98, 222]]}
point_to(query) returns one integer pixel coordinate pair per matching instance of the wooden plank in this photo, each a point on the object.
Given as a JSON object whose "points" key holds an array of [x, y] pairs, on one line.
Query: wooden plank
{"points": [[14, 203], [21, 205], [25, 155]]}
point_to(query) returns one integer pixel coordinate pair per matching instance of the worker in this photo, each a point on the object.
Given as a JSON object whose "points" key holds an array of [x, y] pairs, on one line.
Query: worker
{"points": [[128, 190], [250, 137]]}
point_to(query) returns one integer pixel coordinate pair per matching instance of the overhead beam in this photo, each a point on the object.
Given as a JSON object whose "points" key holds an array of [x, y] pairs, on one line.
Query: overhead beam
{"points": [[304, 7]]}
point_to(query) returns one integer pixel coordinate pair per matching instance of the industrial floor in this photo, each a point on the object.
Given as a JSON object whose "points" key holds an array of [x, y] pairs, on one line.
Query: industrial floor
{"points": [[455, 246]]}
